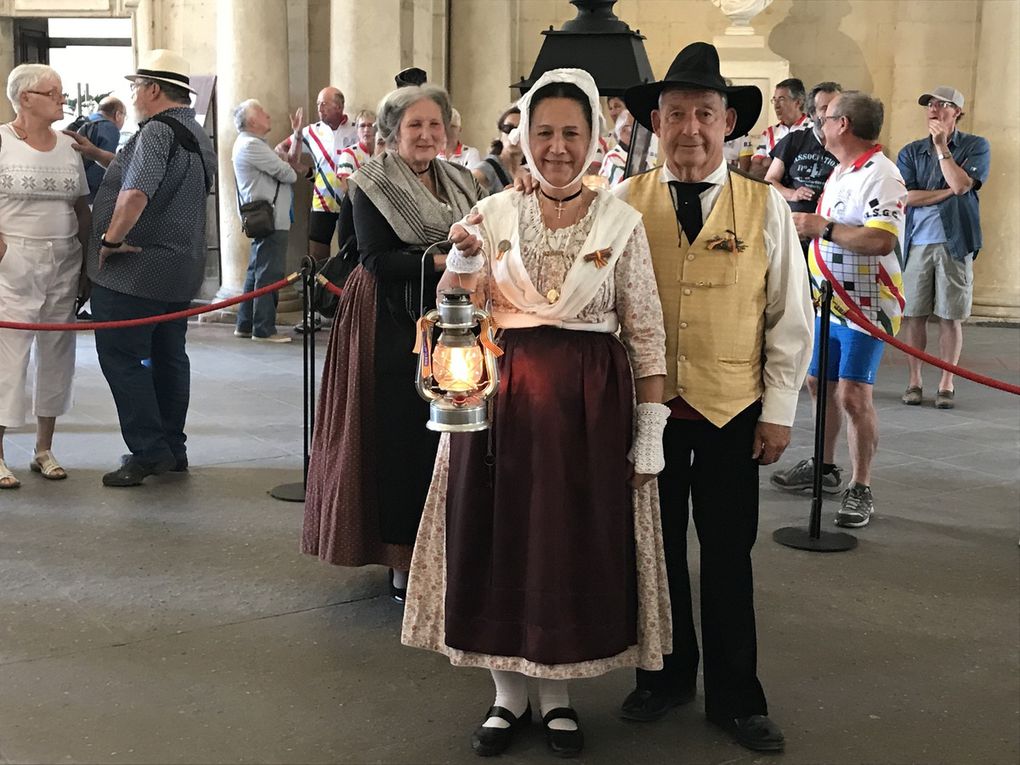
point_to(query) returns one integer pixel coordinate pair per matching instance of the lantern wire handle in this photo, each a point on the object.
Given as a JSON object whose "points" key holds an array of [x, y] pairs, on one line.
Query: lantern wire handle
{"points": [[421, 294]]}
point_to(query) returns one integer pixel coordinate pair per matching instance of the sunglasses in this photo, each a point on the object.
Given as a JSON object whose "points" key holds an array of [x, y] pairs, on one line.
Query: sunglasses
{"points": [[506, 127]]}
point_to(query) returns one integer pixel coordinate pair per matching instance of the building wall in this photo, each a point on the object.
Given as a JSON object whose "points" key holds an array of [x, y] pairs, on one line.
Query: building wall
{"points": [[891, 48]]}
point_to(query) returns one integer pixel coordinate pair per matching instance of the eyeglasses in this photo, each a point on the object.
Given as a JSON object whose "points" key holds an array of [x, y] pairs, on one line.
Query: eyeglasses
{"points": [[366, 126], [54, 94], [506, 127], [779, 99], [941, 104], [835, 117], [135, 85]]}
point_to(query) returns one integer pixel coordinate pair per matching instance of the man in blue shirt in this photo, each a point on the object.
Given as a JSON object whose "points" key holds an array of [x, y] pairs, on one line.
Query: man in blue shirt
{"points": [[943, 173], [103, 129]]}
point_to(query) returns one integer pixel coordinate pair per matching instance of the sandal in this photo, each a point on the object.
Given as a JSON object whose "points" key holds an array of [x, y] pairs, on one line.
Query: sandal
{"points": [[7, 479], [912, 396], [47, 466]]}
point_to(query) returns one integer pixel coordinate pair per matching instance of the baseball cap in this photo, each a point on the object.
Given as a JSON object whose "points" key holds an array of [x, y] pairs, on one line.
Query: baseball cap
{"points": [[942, 93]]}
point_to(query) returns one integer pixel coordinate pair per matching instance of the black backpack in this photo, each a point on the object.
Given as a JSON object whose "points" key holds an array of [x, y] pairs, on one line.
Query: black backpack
{"points": [[183, 138], [77, 124]]}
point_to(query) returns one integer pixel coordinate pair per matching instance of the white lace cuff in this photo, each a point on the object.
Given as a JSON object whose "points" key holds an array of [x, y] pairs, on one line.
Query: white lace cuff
{"points": [[647, 453], [460, 263], [456, 261]]}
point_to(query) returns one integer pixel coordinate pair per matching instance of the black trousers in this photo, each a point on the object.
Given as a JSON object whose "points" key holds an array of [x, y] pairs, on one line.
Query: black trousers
{"points": [[152, 399], [712, 467]]}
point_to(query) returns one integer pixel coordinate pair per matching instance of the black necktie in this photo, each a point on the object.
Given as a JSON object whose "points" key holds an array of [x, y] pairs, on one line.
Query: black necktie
{"points": [[687, 203]]}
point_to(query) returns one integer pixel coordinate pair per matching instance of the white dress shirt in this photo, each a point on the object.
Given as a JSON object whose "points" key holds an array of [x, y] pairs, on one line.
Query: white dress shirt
{"points": [[789, 314]]}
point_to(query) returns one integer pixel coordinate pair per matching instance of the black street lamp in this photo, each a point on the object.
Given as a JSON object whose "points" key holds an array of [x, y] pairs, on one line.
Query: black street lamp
{"points": [[606, 47]]}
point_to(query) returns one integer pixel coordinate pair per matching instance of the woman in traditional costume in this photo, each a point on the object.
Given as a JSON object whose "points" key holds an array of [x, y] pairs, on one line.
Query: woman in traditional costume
{"points": [[372, 456], [539, 552]]}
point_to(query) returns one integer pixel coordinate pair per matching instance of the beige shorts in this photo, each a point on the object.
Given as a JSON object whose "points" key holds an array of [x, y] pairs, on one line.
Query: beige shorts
{"points": [[934, 283]]}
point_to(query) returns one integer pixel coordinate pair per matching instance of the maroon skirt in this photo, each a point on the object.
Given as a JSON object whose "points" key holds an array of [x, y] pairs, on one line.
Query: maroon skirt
{"points": [[540, 520]]}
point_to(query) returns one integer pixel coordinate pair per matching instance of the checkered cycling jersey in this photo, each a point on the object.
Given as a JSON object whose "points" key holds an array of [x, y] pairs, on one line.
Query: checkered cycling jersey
{"points": [[325, 146], [773, 134], [351, 160], [869, 192]]}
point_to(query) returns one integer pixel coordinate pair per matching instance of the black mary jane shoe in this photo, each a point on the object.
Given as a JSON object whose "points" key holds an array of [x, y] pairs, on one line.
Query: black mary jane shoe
{"points": [[755, 732], [563, 743], [398, 594], [643, 705], [488, 742]]}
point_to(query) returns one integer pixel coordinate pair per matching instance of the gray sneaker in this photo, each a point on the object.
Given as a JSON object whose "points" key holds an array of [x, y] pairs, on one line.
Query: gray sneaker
{"points": [[857, 506], [802, 476]]}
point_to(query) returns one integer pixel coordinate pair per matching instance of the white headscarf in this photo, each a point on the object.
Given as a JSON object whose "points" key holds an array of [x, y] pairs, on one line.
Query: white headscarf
{"points": [[584, 81]]}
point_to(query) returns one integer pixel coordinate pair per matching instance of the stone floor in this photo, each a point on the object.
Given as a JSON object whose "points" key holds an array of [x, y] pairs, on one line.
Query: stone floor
{"points": [[177, 622]]}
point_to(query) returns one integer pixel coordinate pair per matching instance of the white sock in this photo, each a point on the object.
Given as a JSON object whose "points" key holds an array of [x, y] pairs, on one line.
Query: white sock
{"points": [[399, 579], [553, 694], [511, 694]]}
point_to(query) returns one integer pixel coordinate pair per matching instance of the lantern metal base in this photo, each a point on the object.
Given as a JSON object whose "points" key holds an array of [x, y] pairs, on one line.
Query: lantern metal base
{"points": [[447, 417]]}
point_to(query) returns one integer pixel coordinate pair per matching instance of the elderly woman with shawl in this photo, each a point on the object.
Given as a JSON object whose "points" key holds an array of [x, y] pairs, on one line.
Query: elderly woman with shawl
{"points": [[372, 456], [539, 552]]}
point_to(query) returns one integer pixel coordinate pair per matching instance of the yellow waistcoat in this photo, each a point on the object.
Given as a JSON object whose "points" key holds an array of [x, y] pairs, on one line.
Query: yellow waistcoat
{"points": [[713, 299]]}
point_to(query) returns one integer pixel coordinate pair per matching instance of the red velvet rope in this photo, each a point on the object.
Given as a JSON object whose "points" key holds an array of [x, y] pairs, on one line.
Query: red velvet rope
{"points": [[90, 326], [854, 314], [330, 287]]}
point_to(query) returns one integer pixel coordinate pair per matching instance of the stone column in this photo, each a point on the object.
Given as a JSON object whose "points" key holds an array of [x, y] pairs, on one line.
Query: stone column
{"points": [[994, 113], [367, 48], [144, 21], [480, 67], [251, 62], [6, 65]]}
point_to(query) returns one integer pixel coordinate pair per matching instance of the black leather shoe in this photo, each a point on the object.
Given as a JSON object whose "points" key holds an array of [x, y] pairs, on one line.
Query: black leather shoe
{"points": [[644, 705], [133, 472], [755, 732], [488, 742], [563, 743]]}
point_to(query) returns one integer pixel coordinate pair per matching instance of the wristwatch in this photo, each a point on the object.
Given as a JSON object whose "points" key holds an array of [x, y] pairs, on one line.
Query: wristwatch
{"points": [[942, 156], [827, 231], [108, 245]]}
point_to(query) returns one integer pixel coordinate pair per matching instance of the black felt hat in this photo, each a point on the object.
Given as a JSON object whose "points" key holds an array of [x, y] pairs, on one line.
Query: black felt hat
{"points": [[697, 66], [410, 76]]}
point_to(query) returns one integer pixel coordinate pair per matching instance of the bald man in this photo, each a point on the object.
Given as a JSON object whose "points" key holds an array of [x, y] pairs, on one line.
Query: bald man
{"points": [[323, 142], [103, 129]]}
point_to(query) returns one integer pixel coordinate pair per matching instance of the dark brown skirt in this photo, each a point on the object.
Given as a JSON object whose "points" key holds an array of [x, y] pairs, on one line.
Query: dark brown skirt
{"points": [[341, 523], [540, 545]]}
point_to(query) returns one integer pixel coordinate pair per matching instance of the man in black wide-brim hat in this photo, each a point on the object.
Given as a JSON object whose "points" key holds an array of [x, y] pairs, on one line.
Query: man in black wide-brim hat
{"points": [[739, 321]]}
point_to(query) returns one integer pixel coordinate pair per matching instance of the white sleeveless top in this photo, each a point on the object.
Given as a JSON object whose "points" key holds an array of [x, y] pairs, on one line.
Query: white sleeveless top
{"points": [[38, 189]]}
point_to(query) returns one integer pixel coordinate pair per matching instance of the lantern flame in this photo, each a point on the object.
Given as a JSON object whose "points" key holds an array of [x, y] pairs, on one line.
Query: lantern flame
{"points": [[458, 369]]}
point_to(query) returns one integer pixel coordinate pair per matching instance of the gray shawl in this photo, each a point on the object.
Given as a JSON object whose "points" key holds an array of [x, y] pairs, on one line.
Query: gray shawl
{"points": [[416, 216]]}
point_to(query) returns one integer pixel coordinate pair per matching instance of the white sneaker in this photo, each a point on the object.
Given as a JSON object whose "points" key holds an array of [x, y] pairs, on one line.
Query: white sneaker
{"points": [[277, 338]]}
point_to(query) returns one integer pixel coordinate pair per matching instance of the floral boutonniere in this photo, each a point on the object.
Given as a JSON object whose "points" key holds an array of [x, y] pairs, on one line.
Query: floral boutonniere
{"points": [[727, 241], [600, 257]]}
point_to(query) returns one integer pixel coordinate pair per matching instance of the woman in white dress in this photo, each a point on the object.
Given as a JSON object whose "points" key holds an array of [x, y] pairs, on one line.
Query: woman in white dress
{"points": [[539, 552], [44, 218]]}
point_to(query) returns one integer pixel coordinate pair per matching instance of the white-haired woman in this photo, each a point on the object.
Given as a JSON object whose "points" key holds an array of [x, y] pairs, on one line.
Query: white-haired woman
{"points": [[539, 553], [372, 456], [44, 218]]}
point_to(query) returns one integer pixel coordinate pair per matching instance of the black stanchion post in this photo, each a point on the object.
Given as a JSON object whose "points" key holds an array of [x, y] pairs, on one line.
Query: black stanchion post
{"points": [[813, 538], [295, 492]]}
